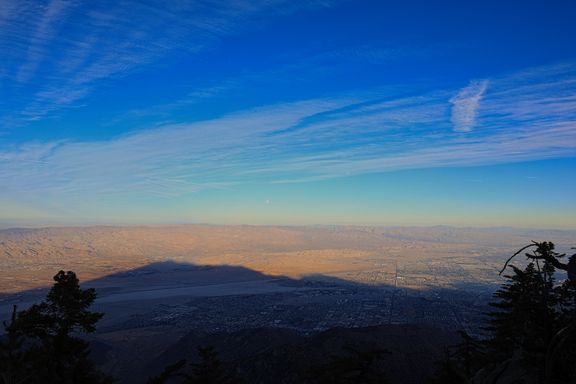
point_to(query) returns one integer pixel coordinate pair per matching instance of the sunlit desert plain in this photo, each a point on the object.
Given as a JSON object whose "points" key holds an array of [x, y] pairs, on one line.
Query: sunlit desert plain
{"points": [[158, 284], [410, 256]]}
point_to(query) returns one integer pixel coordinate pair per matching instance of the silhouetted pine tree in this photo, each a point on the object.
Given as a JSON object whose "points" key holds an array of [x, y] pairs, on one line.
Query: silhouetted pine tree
{"points": [[13, 366], [561, 352], [41, 337], [526, 318], [531, 312], [532, 331]]}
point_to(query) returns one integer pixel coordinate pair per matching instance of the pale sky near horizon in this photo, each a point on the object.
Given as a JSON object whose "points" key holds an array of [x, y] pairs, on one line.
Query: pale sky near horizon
{"points": [[288, 112]]}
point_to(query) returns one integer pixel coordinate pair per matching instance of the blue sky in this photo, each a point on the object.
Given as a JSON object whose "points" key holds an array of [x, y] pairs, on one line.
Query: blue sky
{"points": [[288, 112]]}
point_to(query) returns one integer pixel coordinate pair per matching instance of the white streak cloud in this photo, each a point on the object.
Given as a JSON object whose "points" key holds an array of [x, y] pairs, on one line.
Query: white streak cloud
{"points": [[465, 106]]}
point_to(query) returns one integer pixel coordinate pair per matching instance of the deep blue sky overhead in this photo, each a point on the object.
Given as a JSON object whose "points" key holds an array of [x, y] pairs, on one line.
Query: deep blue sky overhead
{"points": [[288, 112]]}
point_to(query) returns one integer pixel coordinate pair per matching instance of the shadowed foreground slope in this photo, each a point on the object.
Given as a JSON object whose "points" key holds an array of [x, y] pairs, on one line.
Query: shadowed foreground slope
{"points": [[269, 356]]}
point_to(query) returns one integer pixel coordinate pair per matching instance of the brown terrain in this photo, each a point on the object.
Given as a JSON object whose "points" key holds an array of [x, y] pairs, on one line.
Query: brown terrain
{"points": [[378, 255]]}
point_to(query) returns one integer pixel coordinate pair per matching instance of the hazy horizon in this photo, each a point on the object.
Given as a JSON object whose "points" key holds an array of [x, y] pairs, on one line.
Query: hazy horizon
{"points": [[87, 224]]}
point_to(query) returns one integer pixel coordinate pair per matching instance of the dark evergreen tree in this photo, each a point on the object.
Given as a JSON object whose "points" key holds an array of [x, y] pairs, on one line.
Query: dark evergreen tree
{"points": [[533, 314], [13, 366], [526, 317], [561, 352], [532, 329], [42, 339]]}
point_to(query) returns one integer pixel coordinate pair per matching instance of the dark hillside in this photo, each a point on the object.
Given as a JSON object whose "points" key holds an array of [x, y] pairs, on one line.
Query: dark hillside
{"points": [[259, 355]]}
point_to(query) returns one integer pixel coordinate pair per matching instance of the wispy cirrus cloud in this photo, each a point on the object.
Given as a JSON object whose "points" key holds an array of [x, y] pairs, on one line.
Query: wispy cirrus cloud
{"points": [[309, 67], [90, 43], [465, 105], [524, 117], [52, 16], [171, 160]]}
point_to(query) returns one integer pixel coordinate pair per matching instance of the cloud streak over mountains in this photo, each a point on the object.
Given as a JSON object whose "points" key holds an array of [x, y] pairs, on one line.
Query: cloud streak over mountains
{"points": [[523, 117]]}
